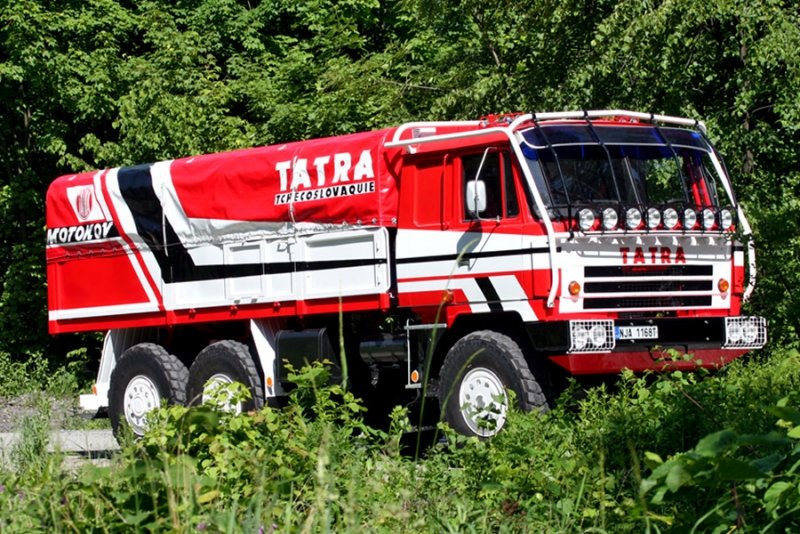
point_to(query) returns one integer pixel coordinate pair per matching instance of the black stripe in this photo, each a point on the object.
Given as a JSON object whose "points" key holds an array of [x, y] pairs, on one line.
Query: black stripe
{"points": [[136, 187], [176, 264], [476, 255], [489, 292], [215, 272]]}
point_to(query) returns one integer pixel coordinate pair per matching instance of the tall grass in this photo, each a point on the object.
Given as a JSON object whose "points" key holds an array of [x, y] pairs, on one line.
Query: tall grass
{"points": [[617, 459]]}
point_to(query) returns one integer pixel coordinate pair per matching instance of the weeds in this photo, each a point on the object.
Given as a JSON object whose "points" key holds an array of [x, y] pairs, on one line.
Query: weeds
{"points": [[28, 455], [36, 374], [666, 453]]}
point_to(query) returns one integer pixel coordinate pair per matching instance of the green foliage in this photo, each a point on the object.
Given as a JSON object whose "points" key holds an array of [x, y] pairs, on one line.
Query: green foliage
{"points": [[175, 79], [626, 460], [37, 374], [103, 83], [730, 480]]}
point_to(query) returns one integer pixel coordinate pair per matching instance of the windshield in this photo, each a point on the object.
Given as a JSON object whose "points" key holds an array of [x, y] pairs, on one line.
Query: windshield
{"points": [[582, 164]]}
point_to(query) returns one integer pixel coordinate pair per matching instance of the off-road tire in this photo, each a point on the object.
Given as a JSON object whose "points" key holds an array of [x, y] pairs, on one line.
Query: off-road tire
{"points": [[232, 360], [491, 354], [141, 363]]}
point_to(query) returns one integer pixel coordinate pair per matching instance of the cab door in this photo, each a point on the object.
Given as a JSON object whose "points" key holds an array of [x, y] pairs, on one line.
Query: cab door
{"points": [[494, 261]]}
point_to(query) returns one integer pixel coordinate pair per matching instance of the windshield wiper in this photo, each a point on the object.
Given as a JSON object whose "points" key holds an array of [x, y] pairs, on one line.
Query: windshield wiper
{"points": [[558, 166], [608, 154], [674, 155]]}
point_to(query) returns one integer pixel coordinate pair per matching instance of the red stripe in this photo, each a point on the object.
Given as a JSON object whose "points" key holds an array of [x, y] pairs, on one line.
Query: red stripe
{"points": [[136, 252]]}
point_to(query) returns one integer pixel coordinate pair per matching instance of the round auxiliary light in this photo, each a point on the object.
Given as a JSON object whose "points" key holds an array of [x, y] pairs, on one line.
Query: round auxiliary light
{"points": [[597, 335], [580, 338], [653, 218], [574, 288], [708, 219], [633, 218], [689, 219], [723, 285], [725, 219], [750, 332], [585, 219], [735, 333], [670, 217], [610, 218]]}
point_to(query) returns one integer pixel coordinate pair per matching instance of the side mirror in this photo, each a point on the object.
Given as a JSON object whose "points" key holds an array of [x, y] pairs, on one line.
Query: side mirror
{"points": [[476, 197]]}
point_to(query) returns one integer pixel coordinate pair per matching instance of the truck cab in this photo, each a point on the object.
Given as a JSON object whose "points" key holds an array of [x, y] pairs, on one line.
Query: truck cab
{"points": [[594, 241]]}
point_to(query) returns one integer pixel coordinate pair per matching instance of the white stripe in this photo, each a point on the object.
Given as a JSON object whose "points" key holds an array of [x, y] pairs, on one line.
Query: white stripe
{"points": [[467, 285], [98, 194], [101, 311], [513, 297], [126, 220]]}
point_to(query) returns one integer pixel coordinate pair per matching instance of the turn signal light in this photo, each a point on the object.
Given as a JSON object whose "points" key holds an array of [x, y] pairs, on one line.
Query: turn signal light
{"points": [[723, 285], [448, 297], [574, 288], [415, 376]]}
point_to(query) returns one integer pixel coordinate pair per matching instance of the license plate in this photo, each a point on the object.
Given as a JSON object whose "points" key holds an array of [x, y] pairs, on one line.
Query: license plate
{"points": [[636, 332]]}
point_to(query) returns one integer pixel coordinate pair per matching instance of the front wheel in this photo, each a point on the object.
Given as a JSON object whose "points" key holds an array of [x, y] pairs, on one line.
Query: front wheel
{"points": [[477, 372], [145, 375]]}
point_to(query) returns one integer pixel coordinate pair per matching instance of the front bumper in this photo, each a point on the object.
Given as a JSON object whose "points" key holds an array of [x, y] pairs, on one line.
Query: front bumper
{"points": [[686, 335]]}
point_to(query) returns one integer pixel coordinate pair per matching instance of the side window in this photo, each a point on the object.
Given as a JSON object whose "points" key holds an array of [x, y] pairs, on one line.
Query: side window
{"points": [[494, 170], [510, 192]]}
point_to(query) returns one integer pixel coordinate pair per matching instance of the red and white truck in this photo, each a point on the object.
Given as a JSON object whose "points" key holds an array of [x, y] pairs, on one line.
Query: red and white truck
{"points": [[470, 256]]}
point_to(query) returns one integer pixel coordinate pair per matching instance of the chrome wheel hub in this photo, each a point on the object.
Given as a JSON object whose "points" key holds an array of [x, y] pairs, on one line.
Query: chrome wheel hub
{"points": [[141, 397], [212, 393], [483, 401]]}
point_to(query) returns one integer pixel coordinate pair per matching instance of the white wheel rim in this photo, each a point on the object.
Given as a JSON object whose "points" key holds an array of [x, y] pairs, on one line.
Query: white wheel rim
{"points": [[483, 401], [223, 402], [141, 397]]}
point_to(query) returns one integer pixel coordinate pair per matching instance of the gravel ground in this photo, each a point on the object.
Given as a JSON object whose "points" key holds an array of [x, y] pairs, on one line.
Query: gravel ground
{"points": [[64, 413], [80, 439]]}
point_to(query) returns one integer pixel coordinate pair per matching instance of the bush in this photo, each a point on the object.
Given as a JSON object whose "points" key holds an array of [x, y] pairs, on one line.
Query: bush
{"points": [[660, 453]]}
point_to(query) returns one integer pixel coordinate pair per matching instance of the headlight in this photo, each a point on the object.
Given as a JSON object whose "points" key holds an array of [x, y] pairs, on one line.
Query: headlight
{"points": [[633, 218], [580, 338], [750, 332], [708, 219], [745, 332], [689, 219], [610, 218], [725, 219], [598, 335], [653, 218], [735, 333], [585, 219], [670, 218]]}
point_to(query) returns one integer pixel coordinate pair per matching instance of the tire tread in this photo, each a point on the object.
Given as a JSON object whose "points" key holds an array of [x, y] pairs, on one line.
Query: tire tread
{"points": [[534, 394], [174, 371], [242, 355]]}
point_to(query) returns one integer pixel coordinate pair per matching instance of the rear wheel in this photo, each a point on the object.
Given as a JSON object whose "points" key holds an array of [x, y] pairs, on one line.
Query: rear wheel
{"points": [[477, 372], [221, 363], [145, 375]]}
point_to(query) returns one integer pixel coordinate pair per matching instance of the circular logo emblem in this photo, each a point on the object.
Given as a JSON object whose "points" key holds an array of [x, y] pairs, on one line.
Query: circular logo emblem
{"points": [[84, 203]]}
